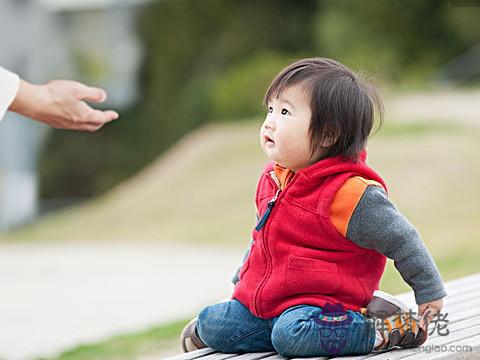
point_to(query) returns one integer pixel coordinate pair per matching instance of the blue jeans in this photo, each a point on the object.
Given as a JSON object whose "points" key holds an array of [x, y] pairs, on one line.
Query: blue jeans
{"points": [[230, 327]]}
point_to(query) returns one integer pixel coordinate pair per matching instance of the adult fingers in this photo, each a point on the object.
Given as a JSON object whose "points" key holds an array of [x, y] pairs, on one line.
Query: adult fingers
{"points": [[89, 127], [99, 117], [88, 93], [111, 115], [86, 114]]}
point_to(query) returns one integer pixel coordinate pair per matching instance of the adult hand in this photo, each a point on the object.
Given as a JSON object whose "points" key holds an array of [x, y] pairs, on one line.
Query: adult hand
{"points": [[61, 104]]}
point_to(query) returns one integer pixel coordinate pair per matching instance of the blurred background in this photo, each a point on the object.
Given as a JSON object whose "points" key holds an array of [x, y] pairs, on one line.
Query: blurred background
{"points": [[110, 242]]}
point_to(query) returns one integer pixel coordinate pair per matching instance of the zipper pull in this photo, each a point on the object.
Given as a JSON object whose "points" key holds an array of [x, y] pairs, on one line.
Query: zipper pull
{"points": [[267, 212]]}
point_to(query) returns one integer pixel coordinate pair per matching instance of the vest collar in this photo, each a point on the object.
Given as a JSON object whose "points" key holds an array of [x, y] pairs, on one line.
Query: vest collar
{"points": [[330, 165]]}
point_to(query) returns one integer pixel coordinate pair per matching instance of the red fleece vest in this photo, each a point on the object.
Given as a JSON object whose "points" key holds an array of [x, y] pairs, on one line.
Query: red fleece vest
{"points": [[298, 257]]}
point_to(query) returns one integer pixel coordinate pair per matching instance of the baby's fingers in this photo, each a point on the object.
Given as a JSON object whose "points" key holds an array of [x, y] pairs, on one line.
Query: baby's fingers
{"points": [[425, 319]]}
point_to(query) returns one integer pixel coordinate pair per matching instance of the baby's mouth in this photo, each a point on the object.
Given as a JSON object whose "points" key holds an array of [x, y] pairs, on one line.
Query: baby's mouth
{"points": [[268, 140]]}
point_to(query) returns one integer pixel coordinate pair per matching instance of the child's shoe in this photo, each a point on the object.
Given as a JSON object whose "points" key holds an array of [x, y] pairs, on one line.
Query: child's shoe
{"points": [[403, 330], [189, 339], [384, 305]]}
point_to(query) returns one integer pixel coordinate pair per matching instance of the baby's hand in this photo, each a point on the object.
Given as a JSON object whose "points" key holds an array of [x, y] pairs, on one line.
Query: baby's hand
{"points": [[426, 311]]}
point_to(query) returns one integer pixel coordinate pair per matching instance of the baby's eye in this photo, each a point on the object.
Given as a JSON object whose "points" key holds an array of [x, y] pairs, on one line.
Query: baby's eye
{"points": [[285, 112], [270, 109]]}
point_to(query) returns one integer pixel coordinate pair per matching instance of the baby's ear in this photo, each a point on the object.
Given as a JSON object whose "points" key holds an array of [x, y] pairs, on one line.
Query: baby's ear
{"points": [[330, 137], [326, 143]]}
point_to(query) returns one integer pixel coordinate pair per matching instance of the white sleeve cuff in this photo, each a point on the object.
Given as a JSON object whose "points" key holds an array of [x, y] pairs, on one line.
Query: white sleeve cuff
{"points": [[9, 83]]}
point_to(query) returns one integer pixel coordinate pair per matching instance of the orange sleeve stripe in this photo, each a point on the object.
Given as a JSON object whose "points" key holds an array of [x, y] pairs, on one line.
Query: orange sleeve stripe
{"points": [[346, 200]]}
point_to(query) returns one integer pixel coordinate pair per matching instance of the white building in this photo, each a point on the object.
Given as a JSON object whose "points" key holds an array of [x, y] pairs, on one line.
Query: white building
{"points": [[88, 40]]}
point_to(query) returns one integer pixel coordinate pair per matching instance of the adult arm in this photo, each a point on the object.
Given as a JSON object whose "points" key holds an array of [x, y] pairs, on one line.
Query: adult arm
{"points": [[9, 83], [58, 103]]}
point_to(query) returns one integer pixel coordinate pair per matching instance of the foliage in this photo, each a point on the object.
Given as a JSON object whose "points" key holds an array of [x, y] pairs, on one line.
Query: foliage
{"points": [[212, 59], [399, 40], [190, 45], [239, 91]]}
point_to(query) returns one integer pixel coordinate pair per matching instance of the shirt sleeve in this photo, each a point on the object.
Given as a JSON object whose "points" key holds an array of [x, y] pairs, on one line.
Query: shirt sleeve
{"points": [[236, 277], [9, 83], [377, 224]]}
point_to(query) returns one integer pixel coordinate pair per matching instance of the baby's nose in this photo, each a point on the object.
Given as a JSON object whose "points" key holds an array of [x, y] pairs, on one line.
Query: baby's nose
{"points": [[269, 123]]}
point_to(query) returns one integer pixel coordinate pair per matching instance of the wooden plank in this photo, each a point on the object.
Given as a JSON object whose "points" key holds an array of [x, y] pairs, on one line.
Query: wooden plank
{"points": [[462, 299], [454, 314], [269, 356], [456, 353], [218, 356], [193, 354], [454, 287], [463, 314], [459, 310], [459, 287], [413, 354], [466, 289], [460, 325], [458, 298], [354, 357], [468, 279], [254, 356], [452, 298], [473, 341]]}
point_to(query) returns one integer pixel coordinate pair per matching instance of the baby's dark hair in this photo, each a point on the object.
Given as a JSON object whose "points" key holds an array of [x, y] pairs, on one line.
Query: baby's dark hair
{"points": [[343, 107]]}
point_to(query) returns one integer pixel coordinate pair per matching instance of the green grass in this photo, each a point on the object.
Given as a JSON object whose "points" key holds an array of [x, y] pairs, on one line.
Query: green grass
{"points": [[131, 346]]}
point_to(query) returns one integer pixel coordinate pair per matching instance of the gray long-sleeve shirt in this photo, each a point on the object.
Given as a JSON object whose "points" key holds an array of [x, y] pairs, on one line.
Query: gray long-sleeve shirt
{"points": [[377, 224]]}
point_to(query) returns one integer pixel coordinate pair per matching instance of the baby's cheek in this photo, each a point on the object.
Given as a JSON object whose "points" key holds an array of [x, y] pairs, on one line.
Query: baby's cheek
{"points": [[296, 145], [291, 151]]}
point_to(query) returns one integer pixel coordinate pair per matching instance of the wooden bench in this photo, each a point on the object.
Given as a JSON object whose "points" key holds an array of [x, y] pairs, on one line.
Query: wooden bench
{"points": [[462, 309]]}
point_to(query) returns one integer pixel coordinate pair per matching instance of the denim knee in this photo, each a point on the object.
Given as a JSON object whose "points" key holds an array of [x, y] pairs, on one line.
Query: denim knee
{"points": [[215, 327], [286, 337], [207, 327], [229, 327], [297, 334]]}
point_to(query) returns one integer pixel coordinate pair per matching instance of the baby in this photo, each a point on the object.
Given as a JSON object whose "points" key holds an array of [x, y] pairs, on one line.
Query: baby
{"points": [[308, 285]]}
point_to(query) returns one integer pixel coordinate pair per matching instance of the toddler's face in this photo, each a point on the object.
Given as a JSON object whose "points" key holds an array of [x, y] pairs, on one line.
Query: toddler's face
{"points": [[284, 134]]}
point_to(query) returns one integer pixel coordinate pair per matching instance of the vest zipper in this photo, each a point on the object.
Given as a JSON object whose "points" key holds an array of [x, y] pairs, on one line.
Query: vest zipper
{"points": [[260, 225], [263, 220]]}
